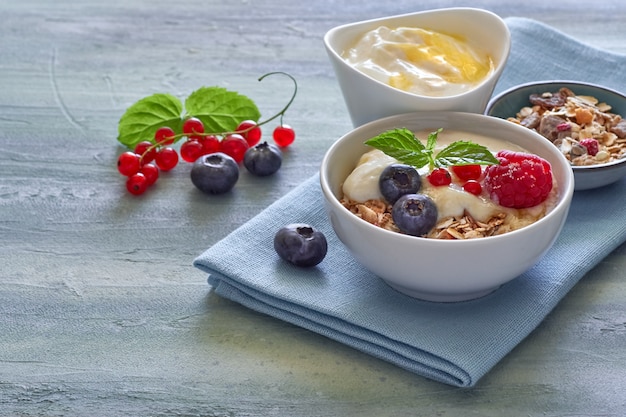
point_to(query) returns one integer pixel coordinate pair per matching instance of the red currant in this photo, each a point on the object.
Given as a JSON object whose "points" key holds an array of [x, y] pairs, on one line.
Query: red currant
{"points": [[191, 126], [210, 144], [128, 163], [473, 187], [235, 146], [284, 135], [164, 136], [151, 172], [166, 158], [439, 177], [191, 150], [467, 172], [250, 131], [146, 150], [137, 184]]}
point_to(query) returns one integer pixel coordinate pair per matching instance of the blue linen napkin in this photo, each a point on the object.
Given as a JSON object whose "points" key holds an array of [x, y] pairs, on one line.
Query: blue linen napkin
{"points": [[454, 343]]}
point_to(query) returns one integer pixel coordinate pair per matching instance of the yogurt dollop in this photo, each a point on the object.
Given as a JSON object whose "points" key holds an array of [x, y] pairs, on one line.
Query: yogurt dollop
{"points": [[362, 183], [420, 61]]}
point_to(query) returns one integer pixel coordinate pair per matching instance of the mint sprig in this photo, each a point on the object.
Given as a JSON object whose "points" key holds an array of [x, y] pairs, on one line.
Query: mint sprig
{"points": [[465, 153], [402, 145]]}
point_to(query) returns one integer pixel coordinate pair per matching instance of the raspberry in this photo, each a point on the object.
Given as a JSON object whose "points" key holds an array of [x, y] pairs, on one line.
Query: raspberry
{"points": [[521, 180], [591, 145]]}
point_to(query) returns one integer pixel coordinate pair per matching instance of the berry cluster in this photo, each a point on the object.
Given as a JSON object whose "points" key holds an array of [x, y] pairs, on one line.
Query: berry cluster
{"points": [[142, 165], [520, 180], [152, 150], [234, 144], [468, 176], [140, 171], [414, 213]]}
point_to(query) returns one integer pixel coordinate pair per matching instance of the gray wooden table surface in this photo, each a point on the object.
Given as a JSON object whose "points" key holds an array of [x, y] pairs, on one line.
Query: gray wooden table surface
{"points": [[101, 312]]}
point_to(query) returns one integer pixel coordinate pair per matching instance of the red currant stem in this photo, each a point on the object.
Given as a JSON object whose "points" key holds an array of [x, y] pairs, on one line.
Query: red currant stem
{"points": [[157, 144], [241, 132], [279, 114], [293, 96]]}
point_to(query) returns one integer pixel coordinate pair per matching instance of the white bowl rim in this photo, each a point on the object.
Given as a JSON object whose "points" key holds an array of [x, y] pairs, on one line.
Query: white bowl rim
{"points": [[565, 192], [496, 70], [540, 83]]}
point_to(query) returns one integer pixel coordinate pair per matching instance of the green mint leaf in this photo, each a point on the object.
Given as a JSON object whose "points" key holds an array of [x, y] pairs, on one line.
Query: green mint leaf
{"points": [[219, 109], [143, 118], [432, 139], [465, 153], [402, 145]]}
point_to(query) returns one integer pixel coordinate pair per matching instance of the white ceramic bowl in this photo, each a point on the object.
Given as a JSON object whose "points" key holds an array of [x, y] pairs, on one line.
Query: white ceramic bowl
{"points": [[368, 99], [509, 102], [443, 270]]}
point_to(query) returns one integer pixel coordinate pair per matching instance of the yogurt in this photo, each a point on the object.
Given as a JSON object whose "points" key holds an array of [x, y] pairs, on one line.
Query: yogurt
{"points": [[420, 61], [362, 183]]}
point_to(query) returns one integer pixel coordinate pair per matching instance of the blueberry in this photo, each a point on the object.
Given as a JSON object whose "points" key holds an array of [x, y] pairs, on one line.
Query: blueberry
{"points": [[414, 214], [397, 180], [300, 244], [263, 159], [215, 173]]}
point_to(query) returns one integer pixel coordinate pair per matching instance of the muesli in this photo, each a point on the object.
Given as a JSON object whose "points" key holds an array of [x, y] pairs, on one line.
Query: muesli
{"points": [[582, 127], [378, 213]]}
